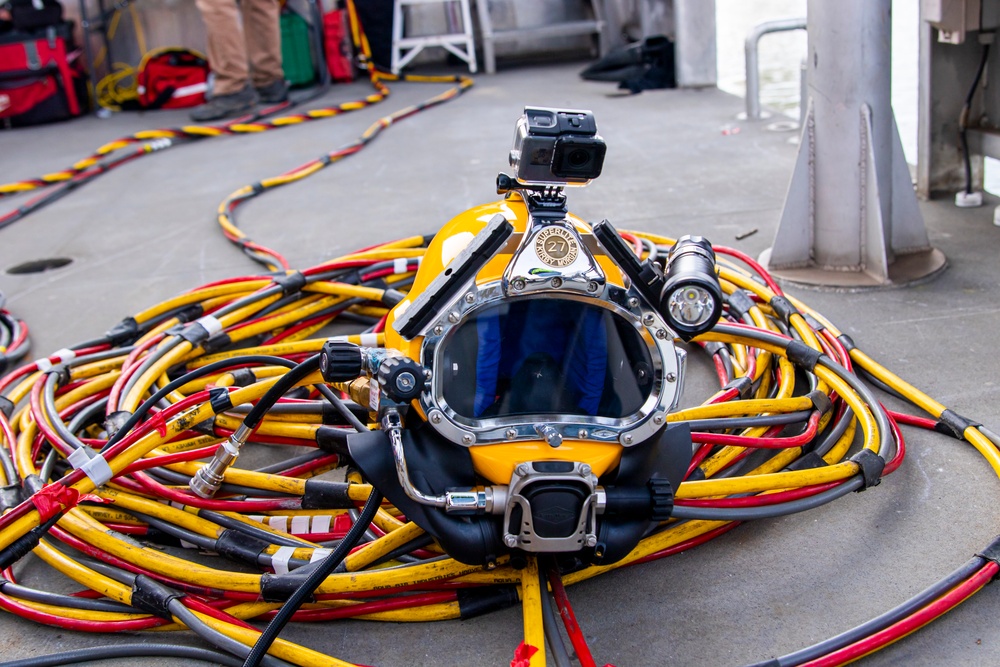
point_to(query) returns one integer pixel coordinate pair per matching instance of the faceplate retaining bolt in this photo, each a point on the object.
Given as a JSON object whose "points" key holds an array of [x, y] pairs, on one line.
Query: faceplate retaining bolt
{"points": [[435, 417], [592, 286], [521, 469], [584, 469], [517, 284], [661, 334], [510, 541], [647, 319], [633, 302], [582, 434], [556, 282], [510, 434], [671, 377], [438, 330], [468, 439], [592, 541], [470, 298], [627, 438], [658, 417]]}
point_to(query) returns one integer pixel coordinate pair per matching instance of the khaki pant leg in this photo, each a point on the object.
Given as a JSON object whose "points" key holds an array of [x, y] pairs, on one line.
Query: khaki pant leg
{"points": [[227, 54], [263, 40]]}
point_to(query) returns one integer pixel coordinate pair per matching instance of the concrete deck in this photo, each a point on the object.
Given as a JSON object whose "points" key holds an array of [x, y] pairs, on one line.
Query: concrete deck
{"points": [[146, 232]]}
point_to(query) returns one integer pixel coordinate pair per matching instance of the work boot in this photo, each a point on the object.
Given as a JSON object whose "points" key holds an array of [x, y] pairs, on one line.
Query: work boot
{"points": [[226, 106], [274, 92]]}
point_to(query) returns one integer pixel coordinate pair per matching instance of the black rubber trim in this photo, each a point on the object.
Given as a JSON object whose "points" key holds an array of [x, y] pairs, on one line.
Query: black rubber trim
{"points": [[190, 313], [219, 400], [240, 546], [152, 597], [3, 364], [193, 333], [391, 297], [459, 272], [743, 384], [243, 377], [740, 302], [783, 308], [820, 401], [125, 332], [474, 602], [280, 587], [714, 347], [10, 496], [801, 354], [847, 342], [324, 494], [992, 553], [953, 424], [871, 467], [808, 462], [813, 323], [6, 406], [290, 283], [218, 342], [332, 440]]}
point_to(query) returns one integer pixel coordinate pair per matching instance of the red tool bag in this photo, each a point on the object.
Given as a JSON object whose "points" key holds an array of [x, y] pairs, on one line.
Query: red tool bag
{"points": [[172, 78], [337, 44], [41, 77]]}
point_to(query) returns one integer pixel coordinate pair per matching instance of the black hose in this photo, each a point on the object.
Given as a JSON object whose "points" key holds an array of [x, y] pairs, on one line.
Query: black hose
{"points": [[316, 577], [137, 650], [878, 623]]}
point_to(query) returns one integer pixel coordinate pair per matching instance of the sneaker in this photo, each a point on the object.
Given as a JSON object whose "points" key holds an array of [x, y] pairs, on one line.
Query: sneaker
{"points": [[226, 106], [274, 92]]}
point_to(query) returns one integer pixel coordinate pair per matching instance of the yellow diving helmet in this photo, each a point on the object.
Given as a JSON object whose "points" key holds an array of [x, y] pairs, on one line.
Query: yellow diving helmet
{"points": [[526, 377]]}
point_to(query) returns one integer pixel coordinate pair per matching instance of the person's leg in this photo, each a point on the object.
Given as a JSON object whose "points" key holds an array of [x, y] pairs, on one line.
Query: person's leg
{"points": [[262, 28], [227, 54], [232, 94]]}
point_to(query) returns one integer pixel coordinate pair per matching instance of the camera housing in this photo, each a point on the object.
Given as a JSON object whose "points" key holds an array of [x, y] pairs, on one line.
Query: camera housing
{"points": [[556, 147]]}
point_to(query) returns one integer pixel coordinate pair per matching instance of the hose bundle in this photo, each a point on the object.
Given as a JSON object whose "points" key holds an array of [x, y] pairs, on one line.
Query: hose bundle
{"points": [[100, 440]]}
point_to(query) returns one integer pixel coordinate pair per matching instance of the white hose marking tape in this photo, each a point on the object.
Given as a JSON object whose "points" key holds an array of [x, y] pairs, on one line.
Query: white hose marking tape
{"points": [[278, 523], [259, 518], [319, 554], [78, 457], [300, 525], [64, 355], [369, 340], [279, 561], [210, 324], [43, 364], [98, 470], [399, 265], [321, 523]]}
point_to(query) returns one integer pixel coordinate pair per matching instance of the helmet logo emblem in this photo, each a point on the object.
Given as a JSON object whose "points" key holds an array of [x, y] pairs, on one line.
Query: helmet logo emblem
{"points": [[556, 246]]}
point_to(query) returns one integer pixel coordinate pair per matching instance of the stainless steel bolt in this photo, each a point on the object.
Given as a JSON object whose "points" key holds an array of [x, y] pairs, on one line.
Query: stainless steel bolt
{"points": [[438, 330], [661, 334], [521, 469], [592, 286], [510, 433], [510, 540], [585, 469], [468, 439], [453, 317], [557, 282], [627, 438], [435, 417], [582, 434], [658, 418], [671, 377], [470, 298], [648, 319], [633, 302], [517, 284], [591, 541]]}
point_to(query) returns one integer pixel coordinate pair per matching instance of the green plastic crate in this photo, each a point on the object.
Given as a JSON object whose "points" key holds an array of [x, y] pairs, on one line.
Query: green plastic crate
{"points": [[296, 51]]}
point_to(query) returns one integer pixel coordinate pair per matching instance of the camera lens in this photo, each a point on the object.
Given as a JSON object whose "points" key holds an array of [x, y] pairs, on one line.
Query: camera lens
{"points": [[578, 158]]}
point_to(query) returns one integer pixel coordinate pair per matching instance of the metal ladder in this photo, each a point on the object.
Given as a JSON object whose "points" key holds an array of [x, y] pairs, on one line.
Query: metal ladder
{"points": [[405, 49]]}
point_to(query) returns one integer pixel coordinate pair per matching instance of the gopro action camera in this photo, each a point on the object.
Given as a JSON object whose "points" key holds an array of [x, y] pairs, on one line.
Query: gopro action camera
{"points": [[556, 147]]}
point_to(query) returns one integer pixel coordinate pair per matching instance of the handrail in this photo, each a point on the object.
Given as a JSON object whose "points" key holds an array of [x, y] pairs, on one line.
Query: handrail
{"points": [[752, 65]]}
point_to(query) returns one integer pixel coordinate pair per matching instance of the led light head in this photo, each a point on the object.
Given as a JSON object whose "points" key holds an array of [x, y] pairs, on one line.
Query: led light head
{"points": [[691, 298]]}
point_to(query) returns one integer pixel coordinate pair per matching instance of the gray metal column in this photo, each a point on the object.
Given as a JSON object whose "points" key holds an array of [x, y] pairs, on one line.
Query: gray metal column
{"points": [[851, 217], [695, 40]]}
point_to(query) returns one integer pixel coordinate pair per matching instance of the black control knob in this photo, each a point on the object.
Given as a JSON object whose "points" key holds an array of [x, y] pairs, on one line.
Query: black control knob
{"points": [[401, 379], [340, 361]]}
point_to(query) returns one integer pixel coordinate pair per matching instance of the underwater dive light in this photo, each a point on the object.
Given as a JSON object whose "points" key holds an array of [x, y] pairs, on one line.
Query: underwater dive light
{"points": [[691, 298]]}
